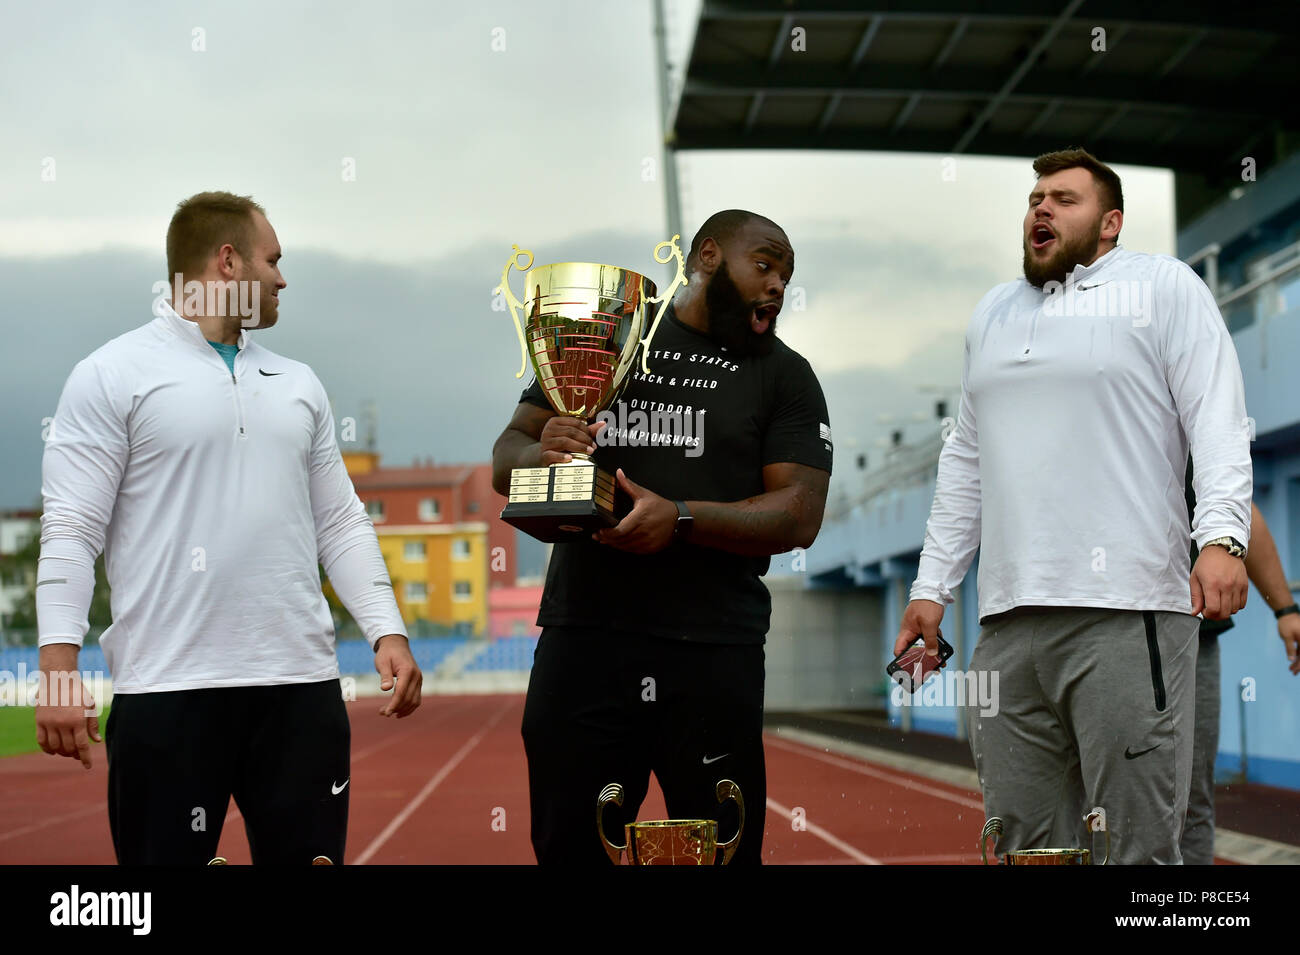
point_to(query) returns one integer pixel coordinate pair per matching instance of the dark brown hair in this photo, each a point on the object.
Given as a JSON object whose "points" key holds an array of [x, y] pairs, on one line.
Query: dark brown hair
{"points": [[204, 223], [1109, 190]]}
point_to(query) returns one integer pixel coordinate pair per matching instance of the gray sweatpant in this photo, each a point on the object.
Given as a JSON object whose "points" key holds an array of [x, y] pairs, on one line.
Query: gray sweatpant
{"points": [[1198, 834], [1095, 709]]}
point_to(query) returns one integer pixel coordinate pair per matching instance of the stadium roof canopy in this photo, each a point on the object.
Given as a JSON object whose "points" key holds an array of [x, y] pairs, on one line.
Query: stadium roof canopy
{"points": [[1192, 86]]}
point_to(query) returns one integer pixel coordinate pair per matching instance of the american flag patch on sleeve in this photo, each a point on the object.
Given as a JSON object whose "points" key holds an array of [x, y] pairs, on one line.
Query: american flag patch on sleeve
{"points": [[825, 431]]}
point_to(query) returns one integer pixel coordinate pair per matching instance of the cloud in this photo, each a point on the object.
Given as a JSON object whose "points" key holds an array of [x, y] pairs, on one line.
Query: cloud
{"points": [[423, 343], [461, 150], [454, 136]]}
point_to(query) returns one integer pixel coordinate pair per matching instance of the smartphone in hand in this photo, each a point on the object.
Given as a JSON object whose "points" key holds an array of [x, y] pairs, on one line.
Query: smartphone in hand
{"points": [[913, 667]]}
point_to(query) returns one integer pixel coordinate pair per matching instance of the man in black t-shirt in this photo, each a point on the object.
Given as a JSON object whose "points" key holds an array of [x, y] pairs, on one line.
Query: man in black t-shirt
{"points": [[651, 653]]}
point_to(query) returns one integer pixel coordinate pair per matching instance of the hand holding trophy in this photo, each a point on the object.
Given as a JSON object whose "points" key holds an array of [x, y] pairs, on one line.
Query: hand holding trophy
{"points": [[582, 328]]}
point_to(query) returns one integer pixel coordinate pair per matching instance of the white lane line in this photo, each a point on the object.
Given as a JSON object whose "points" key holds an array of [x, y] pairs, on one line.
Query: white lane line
{"points": [[825, 836], [52, 820], [430, 786], [397, 734], [838, 860], [970, 858], [866, 770]]}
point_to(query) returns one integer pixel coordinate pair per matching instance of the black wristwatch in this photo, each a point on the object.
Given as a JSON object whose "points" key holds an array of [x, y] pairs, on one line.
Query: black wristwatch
{"points": [[685, 522], [1279, 614]]}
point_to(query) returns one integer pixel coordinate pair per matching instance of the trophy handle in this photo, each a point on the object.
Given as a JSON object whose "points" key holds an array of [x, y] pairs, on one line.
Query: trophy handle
{"points": [[516, 306], [991, 828], [611, 793], [670, 249], [1095, 814], [729, 790]]}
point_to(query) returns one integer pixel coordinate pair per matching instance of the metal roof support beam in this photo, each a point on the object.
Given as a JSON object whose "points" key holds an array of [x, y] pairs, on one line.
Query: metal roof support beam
{"points": [[1193, 97], [1114, 39], [859, 54], [1017, 75], [1047, 113], [949, 45], [1173, 130], [1188, 45], [778, 42], [751, 114], [953, 39], [864, 42], [668, 152], [1215, 15], [828, 111], [773, 55], [905, 112], [1108, 123], [1145, 153]]}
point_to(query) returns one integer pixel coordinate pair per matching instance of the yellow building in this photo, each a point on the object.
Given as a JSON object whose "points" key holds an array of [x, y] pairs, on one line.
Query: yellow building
{"points": [[440, 536]]}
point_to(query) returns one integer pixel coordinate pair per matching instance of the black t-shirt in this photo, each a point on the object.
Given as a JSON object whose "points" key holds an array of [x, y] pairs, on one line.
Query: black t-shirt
{"points": [[1210, 629], [725, 419]]}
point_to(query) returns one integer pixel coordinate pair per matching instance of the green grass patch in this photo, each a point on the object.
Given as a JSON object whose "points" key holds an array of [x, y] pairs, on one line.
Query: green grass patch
{"points": [[18, 730]]}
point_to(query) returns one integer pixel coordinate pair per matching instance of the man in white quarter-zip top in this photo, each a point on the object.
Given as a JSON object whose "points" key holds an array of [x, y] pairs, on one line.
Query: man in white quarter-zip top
{"points": [[1086, 384], [205, 467]]}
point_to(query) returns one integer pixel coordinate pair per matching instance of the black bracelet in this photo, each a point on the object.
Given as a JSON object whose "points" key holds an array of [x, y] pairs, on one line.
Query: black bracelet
{"points": [[1279, 614]]}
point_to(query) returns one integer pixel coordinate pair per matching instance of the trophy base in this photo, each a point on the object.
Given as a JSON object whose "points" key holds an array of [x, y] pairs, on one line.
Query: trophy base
{"points": [[561, 503]]}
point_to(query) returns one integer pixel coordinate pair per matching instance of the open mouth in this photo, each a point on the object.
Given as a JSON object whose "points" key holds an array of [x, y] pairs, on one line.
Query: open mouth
{"points": [[1041, 236], [761, 320]]}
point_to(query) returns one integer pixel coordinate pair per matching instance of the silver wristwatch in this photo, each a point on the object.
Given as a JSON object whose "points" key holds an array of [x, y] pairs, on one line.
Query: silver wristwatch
{"points": [[1233, 546]]}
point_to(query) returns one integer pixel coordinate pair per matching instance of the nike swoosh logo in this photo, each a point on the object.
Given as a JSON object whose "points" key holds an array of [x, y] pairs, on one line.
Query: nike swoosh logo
{"points": [[338, 789], [270, 374], [1088, 288], [715, 758], [1129, 754]]}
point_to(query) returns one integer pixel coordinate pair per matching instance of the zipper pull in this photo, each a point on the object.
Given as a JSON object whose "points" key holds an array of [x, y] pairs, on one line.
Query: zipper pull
{"points": [[236, 381]]}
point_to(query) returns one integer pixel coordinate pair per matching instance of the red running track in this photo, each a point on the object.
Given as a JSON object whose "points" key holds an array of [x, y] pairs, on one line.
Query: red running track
{"points": [[450, 785]]}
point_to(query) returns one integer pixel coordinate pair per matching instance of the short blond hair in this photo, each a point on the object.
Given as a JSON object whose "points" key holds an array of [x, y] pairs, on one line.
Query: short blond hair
{"points": [[204, 223]]}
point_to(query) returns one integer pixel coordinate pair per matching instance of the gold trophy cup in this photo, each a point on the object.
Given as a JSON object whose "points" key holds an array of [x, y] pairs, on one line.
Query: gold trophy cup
{"points": [[672, 841], [582, 326], [1040, 856]]}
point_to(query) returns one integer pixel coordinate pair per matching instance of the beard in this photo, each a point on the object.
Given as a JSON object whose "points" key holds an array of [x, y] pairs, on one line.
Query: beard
{"points": [[260, 296], [729, 318], [1068, 254]]}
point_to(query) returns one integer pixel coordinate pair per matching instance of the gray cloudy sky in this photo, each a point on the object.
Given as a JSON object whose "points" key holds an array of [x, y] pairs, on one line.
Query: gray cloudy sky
{"points": [[459, 151]]}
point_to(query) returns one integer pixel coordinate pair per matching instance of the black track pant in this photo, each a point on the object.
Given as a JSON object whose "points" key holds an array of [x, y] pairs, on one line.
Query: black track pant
{"points": [[175, 759], [612, 707]]}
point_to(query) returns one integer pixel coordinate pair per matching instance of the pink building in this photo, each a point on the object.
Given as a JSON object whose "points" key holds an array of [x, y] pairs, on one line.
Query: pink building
{"points": [[512, 611]]}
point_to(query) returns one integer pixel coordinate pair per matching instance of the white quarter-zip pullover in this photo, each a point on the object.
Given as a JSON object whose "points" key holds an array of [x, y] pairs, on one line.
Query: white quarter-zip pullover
{"points": [[1066, 465], [213, 496]]}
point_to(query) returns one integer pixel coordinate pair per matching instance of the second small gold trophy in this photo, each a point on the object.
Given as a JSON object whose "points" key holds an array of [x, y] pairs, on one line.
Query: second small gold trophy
{"points": [[672, 841], [993, 827]]}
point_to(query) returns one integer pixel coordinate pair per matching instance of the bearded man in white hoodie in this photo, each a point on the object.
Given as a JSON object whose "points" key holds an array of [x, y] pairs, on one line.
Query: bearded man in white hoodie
{"points": [[1085, 385]]}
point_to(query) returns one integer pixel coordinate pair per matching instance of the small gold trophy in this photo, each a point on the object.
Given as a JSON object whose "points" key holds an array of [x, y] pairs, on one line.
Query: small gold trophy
{"points": [[1043, 856], [672, 841], [583, 325]]}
